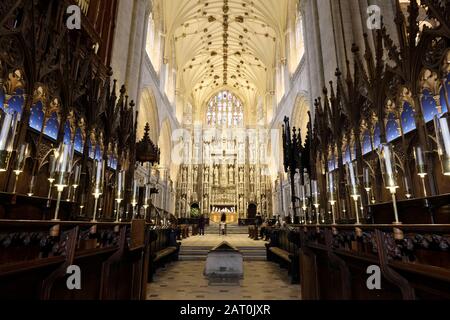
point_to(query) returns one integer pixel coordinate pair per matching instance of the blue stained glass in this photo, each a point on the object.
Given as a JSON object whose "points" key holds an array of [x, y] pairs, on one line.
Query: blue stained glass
{"points": [[98, 153], [366, 143], [17, 101], [392, 129], [408, 121], [347, 156], [2, 98], [78, 141], [112, 162], [52, 126], [67, 133], [331, 165], [428, 106], [442, 93], [37, 116], [377, 136], [91, 149]]}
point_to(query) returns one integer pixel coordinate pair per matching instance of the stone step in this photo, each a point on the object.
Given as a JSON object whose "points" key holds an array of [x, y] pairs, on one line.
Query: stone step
{"points": [[199, 253]]}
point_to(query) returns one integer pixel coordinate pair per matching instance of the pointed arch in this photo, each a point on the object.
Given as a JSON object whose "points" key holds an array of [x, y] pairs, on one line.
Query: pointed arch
{"points": [[148, 113]]}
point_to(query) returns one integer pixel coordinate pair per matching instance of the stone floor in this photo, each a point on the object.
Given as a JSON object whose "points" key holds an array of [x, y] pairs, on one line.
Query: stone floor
{"points": [[184, 280], [237, 240]]}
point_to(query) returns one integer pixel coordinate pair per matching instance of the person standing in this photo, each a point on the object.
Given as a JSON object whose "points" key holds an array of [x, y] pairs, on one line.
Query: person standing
{"points": [[201, 225]]}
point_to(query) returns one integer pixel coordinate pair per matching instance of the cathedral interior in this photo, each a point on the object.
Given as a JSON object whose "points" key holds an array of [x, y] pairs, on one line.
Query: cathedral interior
{"points": [[309, 137]]}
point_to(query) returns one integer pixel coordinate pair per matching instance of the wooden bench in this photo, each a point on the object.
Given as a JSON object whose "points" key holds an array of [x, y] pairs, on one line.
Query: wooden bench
{"points": [[164, 249], [283, 249]]}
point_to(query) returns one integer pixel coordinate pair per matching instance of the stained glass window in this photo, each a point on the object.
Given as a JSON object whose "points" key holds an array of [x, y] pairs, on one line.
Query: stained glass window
{"points": [[2, 98], [366, 143], [112, 162], [78, 141], [443, 95], [428, 106], [52, 126], [392, 128], [408, 121], [37, 116], [16, 102], [98, 153], [347, 155], [67, 133], [226, 110], [91, 149], [377, 136]]}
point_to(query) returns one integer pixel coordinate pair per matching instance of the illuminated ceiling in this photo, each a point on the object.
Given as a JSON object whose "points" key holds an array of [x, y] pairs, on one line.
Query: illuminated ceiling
{"points": [[218, 44]]}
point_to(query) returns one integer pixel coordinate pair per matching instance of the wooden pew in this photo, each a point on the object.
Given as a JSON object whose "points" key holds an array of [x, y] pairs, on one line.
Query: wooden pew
{"points": [[35, 255], [163, 249], [283, 249], [334, 262]]}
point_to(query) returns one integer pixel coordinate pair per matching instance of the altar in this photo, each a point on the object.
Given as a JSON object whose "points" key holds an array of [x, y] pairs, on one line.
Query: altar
{"points": [[231, 217], [218, 211]]}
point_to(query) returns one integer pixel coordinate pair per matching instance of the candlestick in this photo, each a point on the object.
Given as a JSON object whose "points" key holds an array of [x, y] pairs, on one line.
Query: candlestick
{"points": [[332, 193], [62, 172], [120, 189], [8, 126], [135, 195], [22, 155], [99, 166], [442, 129]]}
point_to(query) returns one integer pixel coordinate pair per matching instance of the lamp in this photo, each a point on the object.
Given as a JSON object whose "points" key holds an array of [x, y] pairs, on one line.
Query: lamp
{"points": [[388, 170], [8, 125], [368, 185], [353, 183], [135, 197], [315, 198], [51, 174], [331, 186], [99, 169], [62, 172], [22, 155], [147, 197], [442, 128], [304, 204], [120, 190], [76, 181], [421, 166]]}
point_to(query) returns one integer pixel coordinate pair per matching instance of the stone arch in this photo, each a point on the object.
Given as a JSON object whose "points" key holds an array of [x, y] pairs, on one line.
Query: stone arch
{"points": [[165, 145], [300, 114], [148, 113]]}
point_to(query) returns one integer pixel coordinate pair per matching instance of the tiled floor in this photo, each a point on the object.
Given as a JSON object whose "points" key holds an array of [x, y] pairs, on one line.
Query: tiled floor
{"points": [[184, 280], [237, 240]]}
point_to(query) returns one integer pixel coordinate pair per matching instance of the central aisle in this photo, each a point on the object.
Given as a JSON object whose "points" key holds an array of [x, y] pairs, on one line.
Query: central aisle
{"points": [[184, 280]]}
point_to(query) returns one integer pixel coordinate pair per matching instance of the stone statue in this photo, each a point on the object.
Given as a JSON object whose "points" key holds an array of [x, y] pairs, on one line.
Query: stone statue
{"points": [[205, 203], [216, 175], [206, 174], [184, 175], [241, 175], [231, 175], [241, 202], [195, 174]]}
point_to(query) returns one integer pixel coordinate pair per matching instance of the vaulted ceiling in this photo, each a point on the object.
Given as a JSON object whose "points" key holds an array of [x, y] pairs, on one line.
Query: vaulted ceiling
{"points": [[218, 44]]}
